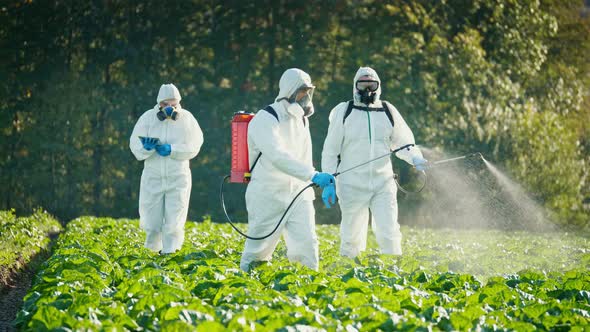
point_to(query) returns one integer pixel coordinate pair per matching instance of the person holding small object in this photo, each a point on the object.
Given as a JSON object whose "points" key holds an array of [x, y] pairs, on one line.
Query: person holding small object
{"points": [[165, 138]]}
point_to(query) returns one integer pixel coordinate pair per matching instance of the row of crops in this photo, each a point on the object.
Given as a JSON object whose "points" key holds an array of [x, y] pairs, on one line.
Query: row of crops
{"points": [[100, 277], [22, 239]]}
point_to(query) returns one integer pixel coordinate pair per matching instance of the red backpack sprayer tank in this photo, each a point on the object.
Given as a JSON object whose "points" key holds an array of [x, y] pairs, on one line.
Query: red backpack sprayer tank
{"points": [[240, 163]]}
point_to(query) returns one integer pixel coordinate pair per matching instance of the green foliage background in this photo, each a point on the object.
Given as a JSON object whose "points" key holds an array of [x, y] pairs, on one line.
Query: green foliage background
{"points": [[507, 78]]}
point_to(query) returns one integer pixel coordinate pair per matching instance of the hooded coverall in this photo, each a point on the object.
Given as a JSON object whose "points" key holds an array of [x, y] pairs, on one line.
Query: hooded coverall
{"points": [[364, 135], [284, 168], [166, 181]]}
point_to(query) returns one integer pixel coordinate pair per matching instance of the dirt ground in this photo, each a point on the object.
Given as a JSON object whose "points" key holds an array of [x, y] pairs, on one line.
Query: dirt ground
{"points": [[11, 298], [15, 285]]}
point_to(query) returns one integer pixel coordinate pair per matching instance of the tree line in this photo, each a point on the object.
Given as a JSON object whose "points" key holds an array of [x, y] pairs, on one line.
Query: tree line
{"points": [[507, 78]]}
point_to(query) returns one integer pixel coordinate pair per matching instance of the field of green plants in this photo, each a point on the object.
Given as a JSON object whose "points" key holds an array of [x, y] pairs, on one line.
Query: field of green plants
{"points": [[21, 239], [100, 277]]}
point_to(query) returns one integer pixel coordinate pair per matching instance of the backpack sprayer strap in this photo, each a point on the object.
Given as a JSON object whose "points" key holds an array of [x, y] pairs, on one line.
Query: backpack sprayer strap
{"points": [[248, 175], [272, 112], [384, 109]]}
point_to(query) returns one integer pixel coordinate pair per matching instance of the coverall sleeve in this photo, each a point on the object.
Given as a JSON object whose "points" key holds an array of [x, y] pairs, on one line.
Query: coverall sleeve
{"points": [[264, 132], [402, 135], [333, 141], [192, 142], [140, 129]]}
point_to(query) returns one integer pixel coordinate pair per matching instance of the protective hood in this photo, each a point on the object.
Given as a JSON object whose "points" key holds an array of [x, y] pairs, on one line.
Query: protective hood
{"points": [[168, 91], [291, 80], [366, 71]]}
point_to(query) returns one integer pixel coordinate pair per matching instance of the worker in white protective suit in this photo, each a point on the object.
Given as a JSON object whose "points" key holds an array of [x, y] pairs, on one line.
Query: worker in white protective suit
{"points": [[165, 137], [280, 154], [360, 130]]}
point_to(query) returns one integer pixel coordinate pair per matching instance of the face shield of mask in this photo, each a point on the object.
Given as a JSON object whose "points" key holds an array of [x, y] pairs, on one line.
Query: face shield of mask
{"points": [[366, 90], [303, 96], [370, 85]]}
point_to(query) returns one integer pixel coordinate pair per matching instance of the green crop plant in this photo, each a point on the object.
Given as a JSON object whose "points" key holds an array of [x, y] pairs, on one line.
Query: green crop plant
{"points": [[101, 278], [21, 239]]}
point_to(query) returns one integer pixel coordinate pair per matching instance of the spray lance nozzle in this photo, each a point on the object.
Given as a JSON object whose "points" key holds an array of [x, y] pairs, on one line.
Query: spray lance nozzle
{"points": [[473, 157]]}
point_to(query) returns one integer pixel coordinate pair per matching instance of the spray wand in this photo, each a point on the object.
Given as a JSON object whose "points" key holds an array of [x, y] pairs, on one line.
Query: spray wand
{"points": [[475, 155]]}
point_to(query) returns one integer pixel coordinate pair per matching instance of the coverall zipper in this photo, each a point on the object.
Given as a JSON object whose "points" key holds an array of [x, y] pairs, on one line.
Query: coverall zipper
{"points": [[165, 177], [372, 153], [369, 122], [165, 140]]}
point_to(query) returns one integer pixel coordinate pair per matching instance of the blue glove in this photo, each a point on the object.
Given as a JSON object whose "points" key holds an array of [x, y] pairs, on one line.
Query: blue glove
{"points": [[329, 195], [323, 179], [163, 150], [149, 143], [420, 163]]}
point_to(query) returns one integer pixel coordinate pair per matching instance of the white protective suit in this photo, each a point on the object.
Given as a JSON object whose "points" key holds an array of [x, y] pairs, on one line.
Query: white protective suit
{"points": [[166, 181], [284, 168], [365, 135]]}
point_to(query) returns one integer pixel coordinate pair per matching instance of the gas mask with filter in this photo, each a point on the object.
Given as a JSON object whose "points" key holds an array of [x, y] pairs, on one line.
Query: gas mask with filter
{"points": [[367, 90], [168, 111], [306, 101]]}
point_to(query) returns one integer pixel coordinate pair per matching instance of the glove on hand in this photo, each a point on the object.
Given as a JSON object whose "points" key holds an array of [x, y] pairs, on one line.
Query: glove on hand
{"points": [[323, 179], [163, 150], [329, 195], [149, 143], [420, 163]]}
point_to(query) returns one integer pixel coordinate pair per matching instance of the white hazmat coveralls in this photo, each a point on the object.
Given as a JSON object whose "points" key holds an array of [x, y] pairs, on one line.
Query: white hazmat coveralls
{"points": [[365, 135], [284, 168], [166, 181]]}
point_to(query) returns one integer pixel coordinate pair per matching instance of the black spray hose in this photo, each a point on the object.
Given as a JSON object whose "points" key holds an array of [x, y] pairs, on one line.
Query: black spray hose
{"points": [[280, 220], [409, 192], [407, 146]]}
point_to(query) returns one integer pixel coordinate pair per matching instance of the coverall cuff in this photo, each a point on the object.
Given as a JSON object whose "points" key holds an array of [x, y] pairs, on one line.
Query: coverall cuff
{"points": [[312, 175], [329, 169], [173, 151], [415, 153], [407, 156], [145, 154]]}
